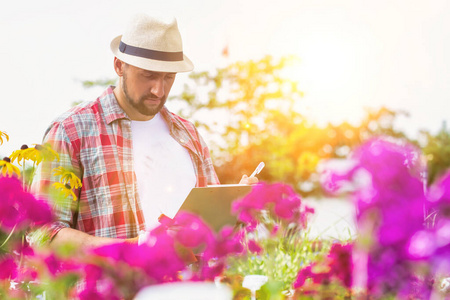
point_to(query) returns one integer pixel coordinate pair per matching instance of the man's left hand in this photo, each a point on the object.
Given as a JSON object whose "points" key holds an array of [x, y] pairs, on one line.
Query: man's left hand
{"points": [[248, 180]]}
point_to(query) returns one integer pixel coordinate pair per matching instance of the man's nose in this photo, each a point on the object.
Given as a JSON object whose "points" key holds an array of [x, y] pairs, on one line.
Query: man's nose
{"points": [[158, 88]]}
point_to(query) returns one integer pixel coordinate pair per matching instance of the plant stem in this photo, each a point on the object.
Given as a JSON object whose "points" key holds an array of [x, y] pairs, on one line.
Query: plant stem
{"points": [[9, 236], [32, 175], [23, 176]]}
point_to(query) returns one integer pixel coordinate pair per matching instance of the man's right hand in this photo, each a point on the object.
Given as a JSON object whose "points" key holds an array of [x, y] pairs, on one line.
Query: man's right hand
{"points": [[83, 240]]}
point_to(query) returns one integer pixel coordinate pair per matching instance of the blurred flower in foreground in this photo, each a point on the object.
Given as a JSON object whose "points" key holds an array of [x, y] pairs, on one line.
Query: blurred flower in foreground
{"points": [[8, 169], [18, 208], [3, 135], [163, 257], [390, 200], [8, 268], [437, 239], [191, 232]]}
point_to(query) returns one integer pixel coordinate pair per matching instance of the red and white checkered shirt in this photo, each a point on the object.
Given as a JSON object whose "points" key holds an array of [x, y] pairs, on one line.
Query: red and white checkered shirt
{"points": [[94, 141]]}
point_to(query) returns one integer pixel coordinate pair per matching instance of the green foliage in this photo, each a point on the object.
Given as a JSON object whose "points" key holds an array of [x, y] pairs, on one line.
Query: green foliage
{"points": [[257, 121], [99, 82], [437, 151]]}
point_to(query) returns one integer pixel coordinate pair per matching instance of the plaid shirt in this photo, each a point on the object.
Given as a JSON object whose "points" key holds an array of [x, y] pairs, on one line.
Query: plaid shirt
{"points": [[94, 141]]}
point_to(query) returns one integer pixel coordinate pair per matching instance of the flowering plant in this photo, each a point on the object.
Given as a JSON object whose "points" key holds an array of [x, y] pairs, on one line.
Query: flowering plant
{"points": [[395, 254], [401, 251], [274, 235]]}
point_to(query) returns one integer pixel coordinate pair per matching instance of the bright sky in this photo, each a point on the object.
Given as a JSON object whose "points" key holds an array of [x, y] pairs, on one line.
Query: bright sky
{"points": [[354, 53]]}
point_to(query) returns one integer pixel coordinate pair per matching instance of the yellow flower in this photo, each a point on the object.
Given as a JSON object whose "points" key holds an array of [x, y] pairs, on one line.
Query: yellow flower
{"points": [[67, 177], [40, 153], [67, 182], [8, 169], [20, 154], [65, 189], [3, 134]]}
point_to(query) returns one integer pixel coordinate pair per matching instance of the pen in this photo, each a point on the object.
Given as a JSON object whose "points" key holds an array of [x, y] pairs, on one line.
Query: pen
{"points": [[258, 169]]}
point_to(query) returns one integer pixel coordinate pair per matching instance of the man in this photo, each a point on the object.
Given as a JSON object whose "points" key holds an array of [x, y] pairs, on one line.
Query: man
{"points": [[136, 160]]}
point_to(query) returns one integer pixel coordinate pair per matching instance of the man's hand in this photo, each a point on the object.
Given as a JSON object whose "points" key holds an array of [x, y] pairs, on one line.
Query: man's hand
{"points": [[248, 180], [132, 240]]}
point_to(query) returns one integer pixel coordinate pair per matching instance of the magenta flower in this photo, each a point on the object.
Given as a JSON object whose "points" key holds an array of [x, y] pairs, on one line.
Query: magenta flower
{"points": [[159, 260], [341, 264], [93, 274], [90, 294], [388, 192], [438, 203], [302, 275], [337, 265], [279, 200], [8, 268], [254, 247], [191, 231], [19, 208], [438, 198], [227, 242]]}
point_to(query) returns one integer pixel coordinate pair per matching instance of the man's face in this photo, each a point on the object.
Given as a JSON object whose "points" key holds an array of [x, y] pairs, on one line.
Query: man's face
{"points": [[146, 91]]}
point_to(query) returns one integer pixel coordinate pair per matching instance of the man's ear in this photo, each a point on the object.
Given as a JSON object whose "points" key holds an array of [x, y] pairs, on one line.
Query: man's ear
{"points": [[118, 66]]}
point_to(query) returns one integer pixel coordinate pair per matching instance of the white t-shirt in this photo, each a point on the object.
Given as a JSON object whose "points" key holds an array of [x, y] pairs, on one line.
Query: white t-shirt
{"points": [[164, 170]]}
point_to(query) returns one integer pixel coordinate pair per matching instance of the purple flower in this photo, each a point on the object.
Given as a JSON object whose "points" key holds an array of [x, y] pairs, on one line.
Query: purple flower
{"points": [[389, 197], [438, 198]]}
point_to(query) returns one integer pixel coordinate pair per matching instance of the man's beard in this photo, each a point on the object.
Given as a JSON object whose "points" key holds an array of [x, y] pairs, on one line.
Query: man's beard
{"points": [[139, 104]]}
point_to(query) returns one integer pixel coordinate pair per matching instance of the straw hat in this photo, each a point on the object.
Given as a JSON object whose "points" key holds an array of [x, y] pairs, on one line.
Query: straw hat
{"points": [[152, 43]]}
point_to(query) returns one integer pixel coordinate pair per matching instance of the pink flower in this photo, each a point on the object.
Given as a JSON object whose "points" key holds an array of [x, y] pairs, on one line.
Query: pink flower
{"points": [[337, 265], [191, 231], [279, 199], [93, 274], [341, 263], [19, 208], [303, 274], [8, 268], [254, 247], [53, 264], [212, 270], [90, 294]]}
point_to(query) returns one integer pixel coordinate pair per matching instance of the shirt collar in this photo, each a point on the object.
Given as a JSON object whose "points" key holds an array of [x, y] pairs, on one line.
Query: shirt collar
{"points": [[114, 112], [111, 107]]}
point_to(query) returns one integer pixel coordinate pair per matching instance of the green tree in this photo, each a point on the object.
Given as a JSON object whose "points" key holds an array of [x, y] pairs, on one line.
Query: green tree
{"points": [[251, 106], [248, 110]]}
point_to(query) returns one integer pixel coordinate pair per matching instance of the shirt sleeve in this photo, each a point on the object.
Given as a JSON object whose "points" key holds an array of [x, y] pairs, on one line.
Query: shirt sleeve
{"points": [[64, 206], [208, 166]]}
